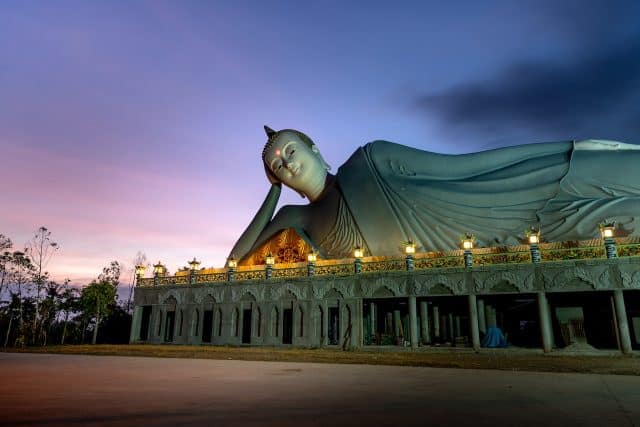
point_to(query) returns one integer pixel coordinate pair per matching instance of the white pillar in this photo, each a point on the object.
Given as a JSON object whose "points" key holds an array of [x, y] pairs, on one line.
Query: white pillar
{"points": [[413, 322], [458, 328], [424, 322], [372, 316], [450, 328], [473, 320], [397, 323], [436, 322], [545, 322], [134, 335], [482, 319], [623, 324]]}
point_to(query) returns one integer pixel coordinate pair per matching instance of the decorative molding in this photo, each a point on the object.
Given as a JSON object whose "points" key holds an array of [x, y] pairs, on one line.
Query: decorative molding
{"points": [[595, 276], [454, 283], [287, 290], [630, 280], [522, 281]]}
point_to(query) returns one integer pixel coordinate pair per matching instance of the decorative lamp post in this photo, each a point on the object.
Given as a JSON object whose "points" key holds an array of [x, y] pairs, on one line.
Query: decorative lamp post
{"points": [[467, 245], [232, 264], [533, 236], [269, 262], [409, 250], [311, 263], [193, 267], [140, 268], [158, 271], [358, 253], [607, 230]]}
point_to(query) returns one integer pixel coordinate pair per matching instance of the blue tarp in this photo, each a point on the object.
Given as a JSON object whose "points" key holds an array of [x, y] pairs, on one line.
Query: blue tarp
{"points": [[494, 338]]}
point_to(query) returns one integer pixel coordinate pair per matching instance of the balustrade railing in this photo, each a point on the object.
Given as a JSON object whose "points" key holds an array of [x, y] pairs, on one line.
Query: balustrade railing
{"points": [[550, 252]]}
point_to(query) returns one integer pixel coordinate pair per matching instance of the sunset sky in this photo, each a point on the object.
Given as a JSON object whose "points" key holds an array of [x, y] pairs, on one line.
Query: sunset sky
{"points": [[137, 126]]}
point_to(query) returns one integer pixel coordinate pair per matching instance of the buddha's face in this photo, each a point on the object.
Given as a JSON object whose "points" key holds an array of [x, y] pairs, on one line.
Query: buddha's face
{"points": [[295, 163]]}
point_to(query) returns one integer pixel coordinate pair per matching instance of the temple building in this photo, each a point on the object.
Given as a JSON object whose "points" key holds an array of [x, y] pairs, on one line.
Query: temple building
{"points": [[546, 295], [372, 259]]}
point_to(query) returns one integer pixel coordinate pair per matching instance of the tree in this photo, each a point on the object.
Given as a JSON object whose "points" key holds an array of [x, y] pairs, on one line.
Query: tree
{"points": [[69, 302], [100, 294], [5, 259], [19, 270], [40, 249]]}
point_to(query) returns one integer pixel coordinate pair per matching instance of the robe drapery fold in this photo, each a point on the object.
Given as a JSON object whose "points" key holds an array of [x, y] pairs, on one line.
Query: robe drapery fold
{"points": [[396, 193]]}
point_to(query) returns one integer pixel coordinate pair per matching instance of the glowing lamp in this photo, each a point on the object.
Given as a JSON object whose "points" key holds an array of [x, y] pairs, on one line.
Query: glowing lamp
{"points": [[270, 260], [358, 252], [533, 235], [158, 269], [140, 268], [312, 257], [232, 262], [607, 231], [194, 264], [467, 244], [410, 248]]}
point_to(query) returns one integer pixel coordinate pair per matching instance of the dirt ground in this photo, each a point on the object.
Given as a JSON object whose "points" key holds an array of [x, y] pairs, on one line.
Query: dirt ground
{"points": [[79, 390], [511, 359]]}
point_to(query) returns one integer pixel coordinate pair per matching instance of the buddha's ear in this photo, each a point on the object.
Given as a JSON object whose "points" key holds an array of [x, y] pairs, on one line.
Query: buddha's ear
{"points": [[315, 150]]}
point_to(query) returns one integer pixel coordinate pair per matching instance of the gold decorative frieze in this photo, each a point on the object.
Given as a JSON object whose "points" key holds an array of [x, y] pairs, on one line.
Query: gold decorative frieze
{"points": [[286, 247]]}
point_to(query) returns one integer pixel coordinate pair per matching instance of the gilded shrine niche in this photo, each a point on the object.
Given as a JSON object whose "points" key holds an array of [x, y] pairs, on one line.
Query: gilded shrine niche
{"points": [[286, 247]]}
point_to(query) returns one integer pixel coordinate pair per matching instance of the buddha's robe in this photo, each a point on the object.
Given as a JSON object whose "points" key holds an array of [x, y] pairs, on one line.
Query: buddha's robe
{"points": [[387, 193]]}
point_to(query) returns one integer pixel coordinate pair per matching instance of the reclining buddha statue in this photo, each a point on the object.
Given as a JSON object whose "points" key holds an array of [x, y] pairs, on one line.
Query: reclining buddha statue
{"points": [[387, 193]]}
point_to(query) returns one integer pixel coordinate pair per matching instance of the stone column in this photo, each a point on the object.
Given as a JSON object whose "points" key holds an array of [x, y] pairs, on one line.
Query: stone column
{"points": [[458, 328], [374, 323], [397, 322], [623, 324], [162, 319], [388, 324], [482, 319], [153, 328], [436, 322], [450, 328], [545, 322], [413, 322], [325, 323], [359, 319], [134, 334], [424, 322], [473, 320]]}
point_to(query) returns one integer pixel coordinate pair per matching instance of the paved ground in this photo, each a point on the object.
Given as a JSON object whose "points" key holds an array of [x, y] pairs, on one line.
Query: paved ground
{"points": [[51, 390]]}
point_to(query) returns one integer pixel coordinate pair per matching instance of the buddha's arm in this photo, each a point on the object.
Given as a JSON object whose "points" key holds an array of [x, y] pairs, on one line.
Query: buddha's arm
{"points": [[258, 224], [294, 217]]}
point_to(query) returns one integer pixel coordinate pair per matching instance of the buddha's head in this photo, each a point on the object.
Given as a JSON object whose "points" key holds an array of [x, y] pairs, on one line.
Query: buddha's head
{"points": [[290, 157]]}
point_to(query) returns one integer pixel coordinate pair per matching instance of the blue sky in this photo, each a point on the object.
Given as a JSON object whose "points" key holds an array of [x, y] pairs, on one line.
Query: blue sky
{"points": [[129, 126]]}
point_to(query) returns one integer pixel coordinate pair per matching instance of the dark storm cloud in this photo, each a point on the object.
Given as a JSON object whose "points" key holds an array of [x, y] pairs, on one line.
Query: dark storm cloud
{"points": [[597, 93]]}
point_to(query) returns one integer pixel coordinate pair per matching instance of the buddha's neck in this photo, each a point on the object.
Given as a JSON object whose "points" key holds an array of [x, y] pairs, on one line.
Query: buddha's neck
{"points": [[316, 187]]}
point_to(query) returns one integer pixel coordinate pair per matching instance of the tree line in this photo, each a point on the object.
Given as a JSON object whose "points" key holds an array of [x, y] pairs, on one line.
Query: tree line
{"points": [[36, 310]]}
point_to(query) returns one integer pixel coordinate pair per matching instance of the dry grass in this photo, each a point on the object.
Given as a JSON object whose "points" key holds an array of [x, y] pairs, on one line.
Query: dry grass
{"points": [[509, 359]]}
